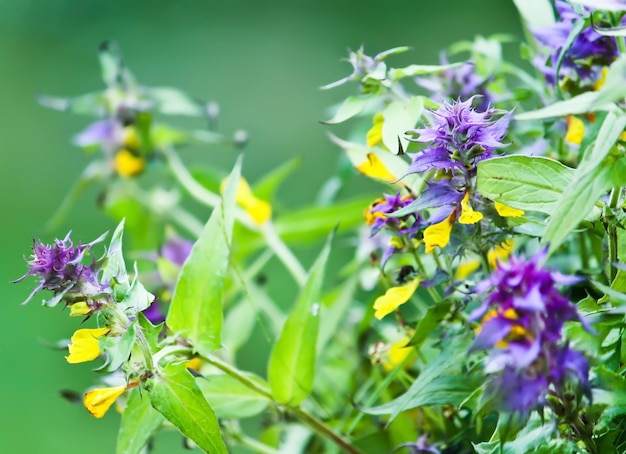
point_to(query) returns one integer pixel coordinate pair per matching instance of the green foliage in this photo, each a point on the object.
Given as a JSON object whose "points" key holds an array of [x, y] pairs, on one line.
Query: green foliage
{"points": [[291, 369], [139, 423], [196, 308], [174, 393]]}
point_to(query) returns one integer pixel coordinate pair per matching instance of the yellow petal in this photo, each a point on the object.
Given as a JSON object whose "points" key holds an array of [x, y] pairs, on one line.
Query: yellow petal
{"points": [[466, 268], [468, 215], [398, 352], [375, 134], [126, 164], [575, 130], [79, 308], [373, 167], [600, 82], [85, 345], [130, 138], [438, 235], [99, 400], [393, 298], [508, 212], [194, 363], [259, 210], [500, 253], [371, 216]]}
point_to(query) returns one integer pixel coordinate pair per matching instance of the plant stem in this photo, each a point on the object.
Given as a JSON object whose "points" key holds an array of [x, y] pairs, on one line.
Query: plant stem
{"points": [[311, 421], [612, 233], [206, 197], [125, 322]]}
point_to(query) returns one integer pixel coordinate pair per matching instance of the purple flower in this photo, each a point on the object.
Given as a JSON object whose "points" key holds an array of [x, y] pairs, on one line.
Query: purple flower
{"points": [[154, 313], [586, 57], [459, 137], [421, 446], [378, 215], [459, 83], [522, 320], [60, 270], [108, 133], [176, 250]]}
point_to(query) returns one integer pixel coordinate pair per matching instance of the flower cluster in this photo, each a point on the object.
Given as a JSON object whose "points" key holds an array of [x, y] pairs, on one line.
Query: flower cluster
{"points": [[584, 60], [59, 269], [522, 318]]}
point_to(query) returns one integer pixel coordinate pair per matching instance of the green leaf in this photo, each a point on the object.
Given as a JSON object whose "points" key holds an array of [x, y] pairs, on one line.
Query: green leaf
{"points": [[174, 393], [172, 101], [115, 265], [536, 13], [139, 422], [137, 298], [614, 89], [611, 130], [92, 104], [581, 195], [309, 224], [266, 187], [118, 348], [399, 117], [334, 307], [436, 384], [351, 106], [430, 322], [238, 326], [524, 182], [196, 308], [291, 367], [419, 70], [230, 398], [150, 331], [579, 104], [110, 63]]}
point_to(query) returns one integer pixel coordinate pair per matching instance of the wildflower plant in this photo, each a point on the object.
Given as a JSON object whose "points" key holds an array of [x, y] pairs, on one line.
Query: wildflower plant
{"points": [[482, 309]]}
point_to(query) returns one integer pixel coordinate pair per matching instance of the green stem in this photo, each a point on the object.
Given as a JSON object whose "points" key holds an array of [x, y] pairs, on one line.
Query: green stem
{"points": [[433, 293], [612, 233], [206, 197], [311, 421], [125, 322]]}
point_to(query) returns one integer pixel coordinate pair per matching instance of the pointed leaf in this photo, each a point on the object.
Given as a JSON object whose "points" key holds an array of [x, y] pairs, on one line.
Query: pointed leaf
{"points": [[529, 183], [399, 117], [536, 13], [196, 308], [139, 422], [230, 398], [351, 106], [292, 362], [175, 394]]}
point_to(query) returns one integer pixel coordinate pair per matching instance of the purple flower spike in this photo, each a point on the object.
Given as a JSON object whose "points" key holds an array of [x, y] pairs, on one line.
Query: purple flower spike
{"points": [[589, 53], [522, 321], [380, 210], [459, 137], [60, 271]]}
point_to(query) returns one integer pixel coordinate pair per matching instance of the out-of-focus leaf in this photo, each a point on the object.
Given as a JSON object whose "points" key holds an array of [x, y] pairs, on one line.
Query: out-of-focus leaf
{"points": [[614, 88], [174, 393], [579, 104], [174, 102], [437, 384], [196, 307], [580, 196], [110, 63], [310, 224], [611, 130], [535, 434], [529, 183], [399, 117], [230, 398], [429, 322], [351, 106], [334, 307], [266, 187], [87, 104], [238, 326], [139, 422], [208, 177], [419, 70], [536, 13], [291, 367], [164, 135]]}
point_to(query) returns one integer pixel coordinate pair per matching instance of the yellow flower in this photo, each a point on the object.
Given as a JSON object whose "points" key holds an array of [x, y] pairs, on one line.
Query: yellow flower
{"points": [[506, 211], [393, 298], [438, 235], [98, 401], [375, 135], [575, 130], [373, 167], [371, 216], [600, 82], [259, 210], [127, 164], [468, 215], [499, 253], [79, 308], [398, 352], [194, 363], [85, 345], [130, 138], [466, 268]]}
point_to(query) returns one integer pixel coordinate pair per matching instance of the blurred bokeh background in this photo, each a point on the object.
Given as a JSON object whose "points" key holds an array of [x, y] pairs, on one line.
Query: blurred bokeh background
{"points": [[261, 60]]}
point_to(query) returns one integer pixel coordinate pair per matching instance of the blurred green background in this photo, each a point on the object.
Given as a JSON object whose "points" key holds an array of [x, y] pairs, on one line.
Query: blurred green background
{"points": [[262, 61]]}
